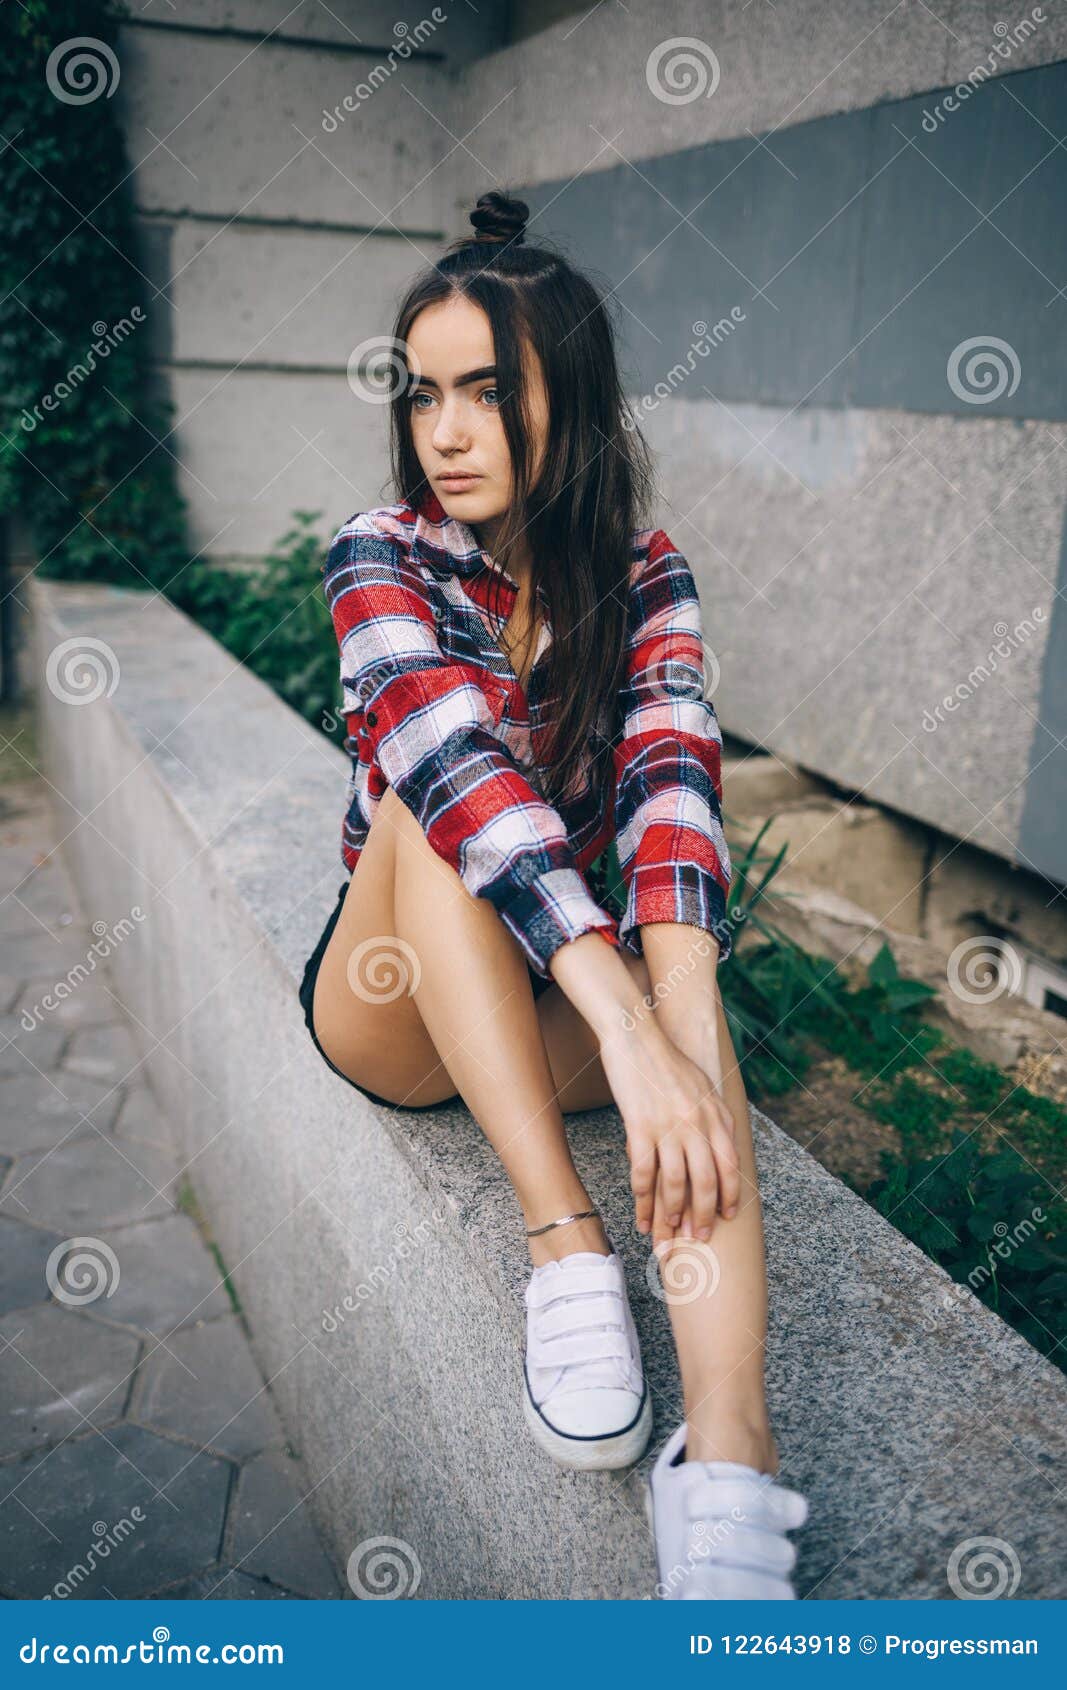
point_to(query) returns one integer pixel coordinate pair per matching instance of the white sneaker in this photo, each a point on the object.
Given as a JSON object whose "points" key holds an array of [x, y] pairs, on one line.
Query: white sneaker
{"points": [[585, 1397], [719, 1529]]}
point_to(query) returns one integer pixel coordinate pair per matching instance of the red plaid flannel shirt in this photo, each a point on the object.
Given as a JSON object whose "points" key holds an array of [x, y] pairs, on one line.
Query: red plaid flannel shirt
{"points": [[434, 709]]}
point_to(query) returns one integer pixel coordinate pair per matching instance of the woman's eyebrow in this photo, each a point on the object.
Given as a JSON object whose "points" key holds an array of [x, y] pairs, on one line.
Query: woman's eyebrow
{"points": [[461, 381]]}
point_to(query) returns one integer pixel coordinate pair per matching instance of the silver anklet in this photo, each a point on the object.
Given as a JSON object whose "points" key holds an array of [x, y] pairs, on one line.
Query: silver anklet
{"points": [[584, 1214]]}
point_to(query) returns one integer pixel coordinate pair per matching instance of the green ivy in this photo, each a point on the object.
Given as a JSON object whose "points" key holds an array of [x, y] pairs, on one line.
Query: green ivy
{"points": [[86, 447], [79, 452]]}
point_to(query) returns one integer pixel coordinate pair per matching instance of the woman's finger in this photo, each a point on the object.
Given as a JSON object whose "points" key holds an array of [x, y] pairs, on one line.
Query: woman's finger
{"points": [[703, 1184], [663, 1229], [673, 1176], [728, 1169], [644, 1167]]}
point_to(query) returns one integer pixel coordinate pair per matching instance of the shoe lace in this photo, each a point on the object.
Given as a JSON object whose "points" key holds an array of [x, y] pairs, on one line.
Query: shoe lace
{"points": [[578, 1326]]}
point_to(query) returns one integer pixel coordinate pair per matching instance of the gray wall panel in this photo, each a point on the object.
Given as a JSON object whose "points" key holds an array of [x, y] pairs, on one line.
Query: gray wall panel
{"points": [[856, 246]]}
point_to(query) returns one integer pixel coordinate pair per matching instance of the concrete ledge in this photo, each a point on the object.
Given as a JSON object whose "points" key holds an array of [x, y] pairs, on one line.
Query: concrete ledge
{"points": [[194, 793]]}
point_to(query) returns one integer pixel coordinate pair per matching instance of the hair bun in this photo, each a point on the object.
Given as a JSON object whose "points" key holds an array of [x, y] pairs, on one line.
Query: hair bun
{"points": [[497, 217]]}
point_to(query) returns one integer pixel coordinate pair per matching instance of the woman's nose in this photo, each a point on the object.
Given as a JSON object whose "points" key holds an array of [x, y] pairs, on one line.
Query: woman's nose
{"points": [[450, 431]]}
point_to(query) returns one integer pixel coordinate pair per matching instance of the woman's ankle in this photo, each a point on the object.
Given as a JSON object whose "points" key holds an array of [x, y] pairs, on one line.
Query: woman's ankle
{"points": [[560, 1241], [731, 1438]]}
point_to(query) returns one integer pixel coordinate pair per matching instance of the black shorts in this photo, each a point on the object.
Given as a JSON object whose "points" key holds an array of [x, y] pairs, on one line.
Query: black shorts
{"points": [[307, 998]]}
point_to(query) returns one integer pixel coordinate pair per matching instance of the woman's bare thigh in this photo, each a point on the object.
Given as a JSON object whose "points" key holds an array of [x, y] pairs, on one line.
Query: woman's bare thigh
{"points": [[369, 1025], [365, 1017]]}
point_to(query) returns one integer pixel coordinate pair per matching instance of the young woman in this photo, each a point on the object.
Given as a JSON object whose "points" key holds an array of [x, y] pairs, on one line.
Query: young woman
{"points": [[522, 668]]}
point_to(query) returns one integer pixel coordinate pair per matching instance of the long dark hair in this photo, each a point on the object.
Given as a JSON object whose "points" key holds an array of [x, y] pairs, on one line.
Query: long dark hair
{"points": [[596, 480]]}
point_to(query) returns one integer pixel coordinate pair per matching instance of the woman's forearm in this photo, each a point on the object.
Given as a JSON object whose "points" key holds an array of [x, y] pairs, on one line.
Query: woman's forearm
{"points": [[600, 986], [683, 969]]}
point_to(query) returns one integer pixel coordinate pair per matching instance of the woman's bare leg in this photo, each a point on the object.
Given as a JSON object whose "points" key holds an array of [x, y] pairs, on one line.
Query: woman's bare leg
{"points": [[464, 1020], [518, 1085], [719, 1311]]}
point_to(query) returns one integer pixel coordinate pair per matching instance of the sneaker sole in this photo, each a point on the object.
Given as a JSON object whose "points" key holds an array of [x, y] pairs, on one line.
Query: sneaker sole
{"points": [[622, 1449]]}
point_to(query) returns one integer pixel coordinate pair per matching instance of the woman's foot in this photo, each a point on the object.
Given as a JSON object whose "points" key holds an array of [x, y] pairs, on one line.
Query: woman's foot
{"points": [[719, 1528], [584, 1397]]}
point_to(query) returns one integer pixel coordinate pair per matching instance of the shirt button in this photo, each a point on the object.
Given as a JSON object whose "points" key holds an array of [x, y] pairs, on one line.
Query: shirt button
{"points": [[372, 720]]}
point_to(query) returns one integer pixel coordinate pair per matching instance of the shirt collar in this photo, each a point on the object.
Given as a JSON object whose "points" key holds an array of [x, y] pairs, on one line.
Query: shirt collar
{"points": [[446, 542]]}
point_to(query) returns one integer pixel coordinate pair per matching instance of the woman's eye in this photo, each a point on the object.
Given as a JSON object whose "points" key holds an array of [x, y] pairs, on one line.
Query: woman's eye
{"points": [[415, 401], [494, 391]]}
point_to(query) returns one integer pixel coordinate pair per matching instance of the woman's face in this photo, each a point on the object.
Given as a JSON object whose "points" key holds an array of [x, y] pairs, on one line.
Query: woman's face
{"points": [[455, 411]]}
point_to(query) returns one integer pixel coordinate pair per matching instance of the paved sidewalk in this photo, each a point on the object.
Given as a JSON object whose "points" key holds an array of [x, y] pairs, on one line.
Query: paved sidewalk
{"points": [[140, 1451]]}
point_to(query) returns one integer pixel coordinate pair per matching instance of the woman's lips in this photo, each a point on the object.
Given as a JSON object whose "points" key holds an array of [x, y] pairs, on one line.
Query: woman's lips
{"points": [[459, 483]]}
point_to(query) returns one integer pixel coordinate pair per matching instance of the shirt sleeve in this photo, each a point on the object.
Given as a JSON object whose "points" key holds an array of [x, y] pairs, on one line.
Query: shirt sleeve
{"points": [[426, 721], [668, 798]]}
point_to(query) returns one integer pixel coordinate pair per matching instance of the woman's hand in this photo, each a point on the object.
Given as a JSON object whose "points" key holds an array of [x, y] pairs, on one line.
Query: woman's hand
{"points": [[679, 1134]]}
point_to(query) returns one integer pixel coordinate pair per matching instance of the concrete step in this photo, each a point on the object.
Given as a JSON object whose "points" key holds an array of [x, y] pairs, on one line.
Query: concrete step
{"points": [[379, 1257]]}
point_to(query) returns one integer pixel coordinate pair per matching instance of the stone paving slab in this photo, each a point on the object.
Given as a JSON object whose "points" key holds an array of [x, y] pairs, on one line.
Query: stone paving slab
{"points": [[226, 1585], [130, 1399], [164, 1503], [86, 1003], [205, 1385], [104, 1053], [24, 1252], [141, 1119], [22, 1048], [30, 955], [166, 1277], [271, 1529], [42, 1111], [90, 1182], [59, 1372]]}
